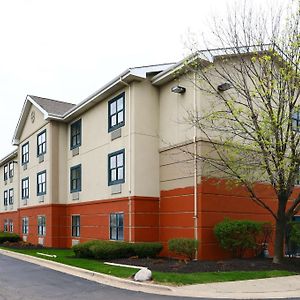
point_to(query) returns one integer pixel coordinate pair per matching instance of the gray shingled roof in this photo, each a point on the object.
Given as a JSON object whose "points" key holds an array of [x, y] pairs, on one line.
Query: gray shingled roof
{"points": [[52, 107]]}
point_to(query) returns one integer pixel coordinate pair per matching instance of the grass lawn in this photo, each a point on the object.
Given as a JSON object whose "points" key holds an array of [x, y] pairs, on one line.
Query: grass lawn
{"points": [[67, 257]]}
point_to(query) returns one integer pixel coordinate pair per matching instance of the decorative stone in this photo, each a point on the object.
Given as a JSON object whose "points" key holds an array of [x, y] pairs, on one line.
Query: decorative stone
{"points": [[143, 274]]}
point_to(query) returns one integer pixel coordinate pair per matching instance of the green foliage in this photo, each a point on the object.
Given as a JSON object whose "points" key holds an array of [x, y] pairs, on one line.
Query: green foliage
{"points": [[108, 249], [293, 237], [183, 246], [143, 250], [238, 236], [9, 237]]}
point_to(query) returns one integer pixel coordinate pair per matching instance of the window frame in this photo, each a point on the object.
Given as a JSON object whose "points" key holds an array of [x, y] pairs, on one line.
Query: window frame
{"points": [[42, 145], [116, 181], [117, 226], [78, 188], [25, 225], [42, 184], [5, 172], [5, 198], [110, 115], [74, 125], [41, 226], [5, 225], [26, 189], [11, 169], [75, 227], [10, 226], [25, 155], [11, 196]]}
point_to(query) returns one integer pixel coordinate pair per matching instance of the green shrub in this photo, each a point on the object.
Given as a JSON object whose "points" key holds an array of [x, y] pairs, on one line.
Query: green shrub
{"points": [[144, 250], [183, 246], [83, 250], [238, 236], [293, 238], [110, 250], [9, 237]]}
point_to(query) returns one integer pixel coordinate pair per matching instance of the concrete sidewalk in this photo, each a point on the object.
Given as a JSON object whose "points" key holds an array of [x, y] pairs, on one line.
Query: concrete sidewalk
{"points": [[272, 288]]}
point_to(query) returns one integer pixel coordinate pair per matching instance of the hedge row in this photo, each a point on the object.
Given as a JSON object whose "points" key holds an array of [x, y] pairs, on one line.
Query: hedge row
{"points": [[108, 249], [9, 237]]}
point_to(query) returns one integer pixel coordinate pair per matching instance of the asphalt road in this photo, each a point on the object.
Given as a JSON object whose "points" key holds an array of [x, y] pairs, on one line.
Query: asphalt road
{"points": [[22, 280]]}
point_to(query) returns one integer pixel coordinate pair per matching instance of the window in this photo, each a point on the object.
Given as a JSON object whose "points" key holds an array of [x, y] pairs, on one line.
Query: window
{"points": [[5, 198], [5, 229], [41, 143], [76, 226], [25, 153], [296, 121], [25, 188], [41, 225], [11, 226], [41, 183], [75, 134], [117, 226], [116, 167], [116, 112], [25, 225], [5, 172], [75, 179], [11, 196], [11, 170]]}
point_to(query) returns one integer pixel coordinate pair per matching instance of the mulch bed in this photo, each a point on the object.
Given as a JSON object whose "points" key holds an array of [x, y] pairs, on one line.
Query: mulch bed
{"points": [[253, 264]]}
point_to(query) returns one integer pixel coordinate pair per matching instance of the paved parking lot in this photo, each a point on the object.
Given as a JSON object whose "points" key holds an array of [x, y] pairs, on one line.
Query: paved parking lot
{"points": [[22, 280]]}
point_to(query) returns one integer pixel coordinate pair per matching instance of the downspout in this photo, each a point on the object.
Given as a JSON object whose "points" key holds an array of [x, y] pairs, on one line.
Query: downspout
{"points": [[195, 168], [129, 163]]}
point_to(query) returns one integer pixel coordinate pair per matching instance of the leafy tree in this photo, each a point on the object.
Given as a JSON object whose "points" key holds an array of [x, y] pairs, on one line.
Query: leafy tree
{"points": [[252, 123]]}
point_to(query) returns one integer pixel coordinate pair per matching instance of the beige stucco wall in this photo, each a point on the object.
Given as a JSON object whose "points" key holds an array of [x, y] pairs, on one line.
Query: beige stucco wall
{"points": [[29, 134], [95, 146]]}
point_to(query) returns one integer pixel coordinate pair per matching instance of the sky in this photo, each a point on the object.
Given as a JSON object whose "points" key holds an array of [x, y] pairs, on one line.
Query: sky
{"points": [[67, 49]]}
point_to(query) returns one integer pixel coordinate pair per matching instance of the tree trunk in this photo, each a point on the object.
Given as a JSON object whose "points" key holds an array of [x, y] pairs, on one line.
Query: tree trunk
{"points": [[279, 240]]}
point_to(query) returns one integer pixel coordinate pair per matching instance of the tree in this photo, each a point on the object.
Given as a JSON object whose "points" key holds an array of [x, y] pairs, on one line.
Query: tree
{"points": [[253, 123]]}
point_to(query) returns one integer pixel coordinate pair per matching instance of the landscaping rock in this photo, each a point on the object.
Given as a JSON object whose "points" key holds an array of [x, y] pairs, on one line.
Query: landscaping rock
{"points": [[143, 274]]}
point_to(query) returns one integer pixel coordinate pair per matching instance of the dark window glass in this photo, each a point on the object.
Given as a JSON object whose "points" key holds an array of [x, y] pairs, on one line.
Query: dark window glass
{"points": [[25, 153], [75, 179], [41, 143], [5, 198], [76, 226], [41, 225], [5, 172], [117, 226], [25, 188], [116, 112], [25, 225], [11, 196], [116, 167], [75, 134], [41, 183]]}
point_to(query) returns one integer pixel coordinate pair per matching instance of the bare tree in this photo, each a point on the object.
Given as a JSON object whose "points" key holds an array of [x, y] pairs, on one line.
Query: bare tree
{"points": [[253, 122]]}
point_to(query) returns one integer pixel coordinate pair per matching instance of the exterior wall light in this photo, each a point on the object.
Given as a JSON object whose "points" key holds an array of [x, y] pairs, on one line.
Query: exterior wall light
{"points": [[178, 89], [224, 87]]}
